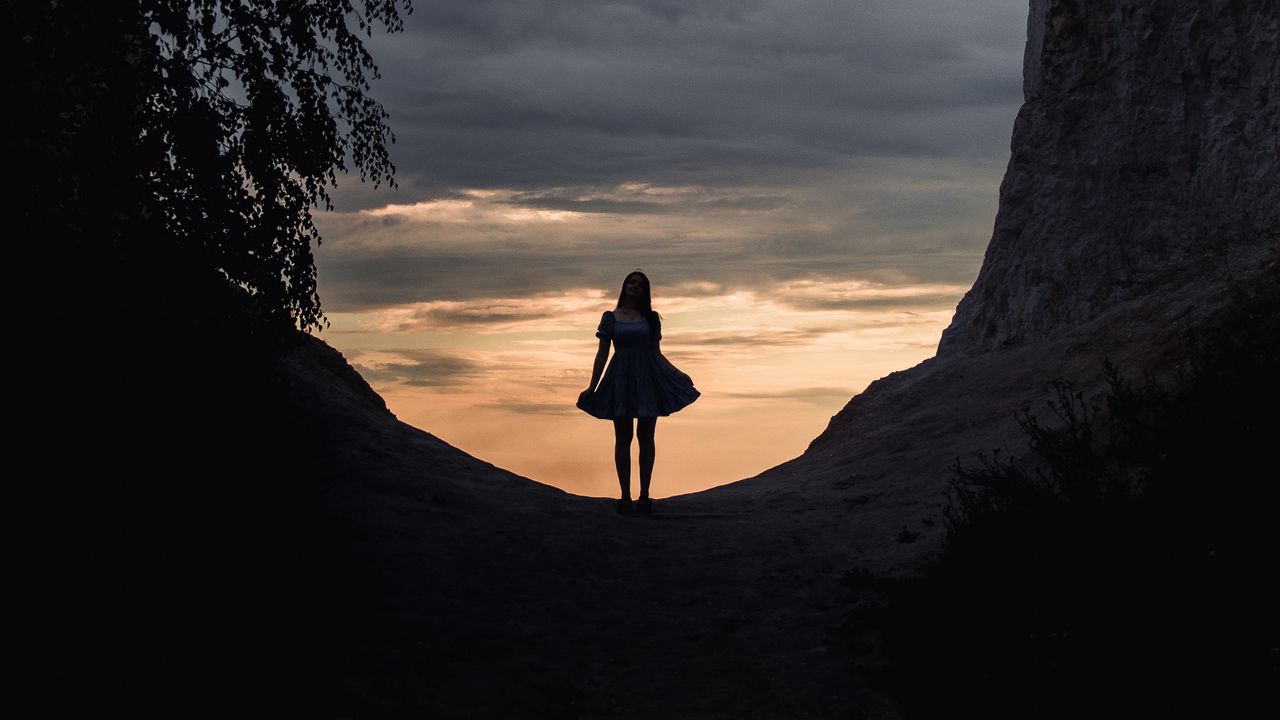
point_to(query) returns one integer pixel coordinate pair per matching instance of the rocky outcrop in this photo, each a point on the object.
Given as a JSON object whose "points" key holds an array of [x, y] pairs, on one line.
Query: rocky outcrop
{"points": [[1146, 156], [1141, 203]]}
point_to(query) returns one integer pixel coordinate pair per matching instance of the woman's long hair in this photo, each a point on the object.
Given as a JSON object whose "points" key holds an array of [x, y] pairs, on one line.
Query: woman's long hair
{"points": [[646, 303]]}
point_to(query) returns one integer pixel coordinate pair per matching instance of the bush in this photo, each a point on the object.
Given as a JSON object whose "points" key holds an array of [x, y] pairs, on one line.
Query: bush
{"points": [[1126, 567]]}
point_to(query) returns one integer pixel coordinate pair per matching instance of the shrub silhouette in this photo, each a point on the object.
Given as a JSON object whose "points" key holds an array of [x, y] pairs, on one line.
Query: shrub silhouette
{"points": [[1126, 567]]}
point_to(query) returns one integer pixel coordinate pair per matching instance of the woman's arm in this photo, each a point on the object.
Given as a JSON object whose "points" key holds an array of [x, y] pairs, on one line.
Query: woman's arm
{"points": [[597, 368]]}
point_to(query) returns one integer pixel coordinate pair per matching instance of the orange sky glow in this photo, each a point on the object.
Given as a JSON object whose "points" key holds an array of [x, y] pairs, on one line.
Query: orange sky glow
{"points": [[810, 189], [496, 373]]}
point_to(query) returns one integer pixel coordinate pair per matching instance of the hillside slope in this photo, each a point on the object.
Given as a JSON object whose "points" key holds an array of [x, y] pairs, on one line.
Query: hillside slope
{"points": [[1139, 209]]}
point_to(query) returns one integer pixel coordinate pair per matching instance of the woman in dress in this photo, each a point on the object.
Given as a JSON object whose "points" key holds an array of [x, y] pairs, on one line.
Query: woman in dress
{"points": [[640, 384]]}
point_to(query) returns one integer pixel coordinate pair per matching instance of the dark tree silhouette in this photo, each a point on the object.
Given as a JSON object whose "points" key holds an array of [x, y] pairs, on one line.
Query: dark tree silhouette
{"points": [[256, 108], [167, 157], [172, 134]]}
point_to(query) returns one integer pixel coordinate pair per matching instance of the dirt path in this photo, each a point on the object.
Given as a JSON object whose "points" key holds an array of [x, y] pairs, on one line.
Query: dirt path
{"points": [[476, 593], [699, 612]]}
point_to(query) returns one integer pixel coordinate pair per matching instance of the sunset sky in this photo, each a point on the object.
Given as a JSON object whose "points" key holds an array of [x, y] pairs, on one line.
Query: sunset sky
{"points": [[809, 186]]}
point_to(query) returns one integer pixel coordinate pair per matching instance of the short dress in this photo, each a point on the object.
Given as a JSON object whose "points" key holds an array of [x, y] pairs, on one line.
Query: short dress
{"points": [[638, 382]]}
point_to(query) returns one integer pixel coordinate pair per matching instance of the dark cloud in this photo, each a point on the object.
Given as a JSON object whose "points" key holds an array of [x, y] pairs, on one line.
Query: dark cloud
{"points": [[420, 368], [470, 315], [531, 93], [703, 258], [859, 140], [523, 407], [594, 200]]}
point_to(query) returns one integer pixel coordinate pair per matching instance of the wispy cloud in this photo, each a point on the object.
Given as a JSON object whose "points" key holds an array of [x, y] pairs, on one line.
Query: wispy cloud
{"points": [[492, 314], [820, 395], [518, 406], [768, 316], [478, 247], [421, 368]]}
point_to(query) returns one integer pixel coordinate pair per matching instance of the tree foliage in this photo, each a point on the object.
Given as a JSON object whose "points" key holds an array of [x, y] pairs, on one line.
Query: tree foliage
{"points": [[255, 109], [166, 159], [172, 137]]}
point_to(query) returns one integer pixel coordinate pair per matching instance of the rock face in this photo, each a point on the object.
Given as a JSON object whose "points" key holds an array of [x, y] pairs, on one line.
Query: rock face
{"points": [[1146, 156], [1141, 200]]}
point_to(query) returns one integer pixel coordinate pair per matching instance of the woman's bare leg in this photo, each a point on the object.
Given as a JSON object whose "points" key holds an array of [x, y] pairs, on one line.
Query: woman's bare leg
{"points": [[622, 454], [645, 428]]}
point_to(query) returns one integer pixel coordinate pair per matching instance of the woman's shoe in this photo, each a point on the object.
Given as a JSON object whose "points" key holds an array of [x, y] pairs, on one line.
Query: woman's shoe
{"points": [[644, 506], [624, 506]]}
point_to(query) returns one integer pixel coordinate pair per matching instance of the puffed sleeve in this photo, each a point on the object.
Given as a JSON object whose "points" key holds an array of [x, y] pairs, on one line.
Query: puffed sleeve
{"points": [[657, 329], [605, 331]]}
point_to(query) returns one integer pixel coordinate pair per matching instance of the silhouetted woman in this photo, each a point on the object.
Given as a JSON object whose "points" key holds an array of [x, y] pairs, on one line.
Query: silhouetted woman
{"points": [[640, 383]]}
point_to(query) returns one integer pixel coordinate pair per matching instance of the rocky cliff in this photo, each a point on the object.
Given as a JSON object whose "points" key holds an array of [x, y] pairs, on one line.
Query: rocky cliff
{"points": [[1141, 202], [1145, 157]]}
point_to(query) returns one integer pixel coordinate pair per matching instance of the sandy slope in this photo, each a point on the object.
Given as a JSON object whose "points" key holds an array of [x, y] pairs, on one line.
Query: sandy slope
{"points": [[502, 597], [485, 594]]}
